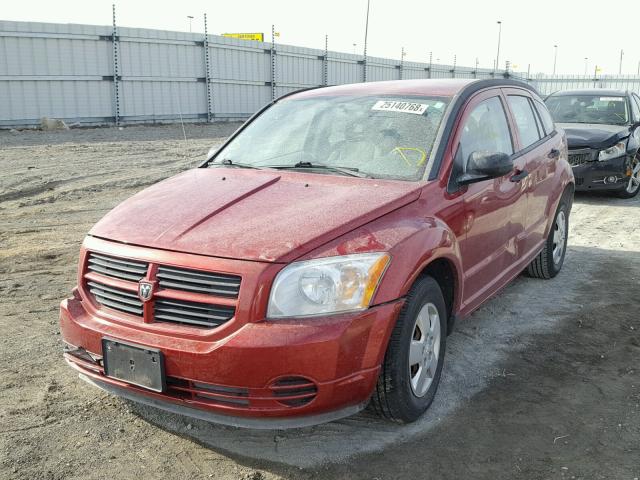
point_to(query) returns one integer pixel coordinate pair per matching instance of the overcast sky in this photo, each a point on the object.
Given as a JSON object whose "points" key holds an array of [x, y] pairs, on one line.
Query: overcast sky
{"points": [[467, 29]]}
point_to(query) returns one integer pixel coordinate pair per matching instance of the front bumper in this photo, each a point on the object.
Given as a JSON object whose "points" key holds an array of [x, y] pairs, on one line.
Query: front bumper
{"points": [[610, 175], [269, 374]]}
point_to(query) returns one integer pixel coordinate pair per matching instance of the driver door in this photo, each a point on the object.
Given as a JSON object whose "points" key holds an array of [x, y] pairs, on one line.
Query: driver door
{"points": [[495, 210]]}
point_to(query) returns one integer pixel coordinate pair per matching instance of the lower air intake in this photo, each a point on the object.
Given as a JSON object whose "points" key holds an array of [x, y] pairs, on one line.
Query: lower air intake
{"points": [[294, 391]]}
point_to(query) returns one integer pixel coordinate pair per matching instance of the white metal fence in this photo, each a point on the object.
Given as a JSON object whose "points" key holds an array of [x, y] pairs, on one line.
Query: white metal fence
{"points": [[100, 74], [546, 85], [106, 74]]}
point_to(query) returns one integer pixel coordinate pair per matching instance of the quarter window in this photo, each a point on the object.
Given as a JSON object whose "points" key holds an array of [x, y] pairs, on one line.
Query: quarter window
{"points": [[525, 120], [485, 130], [547, 121]]}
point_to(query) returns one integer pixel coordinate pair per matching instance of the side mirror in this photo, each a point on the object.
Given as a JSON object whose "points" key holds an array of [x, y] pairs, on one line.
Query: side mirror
{"points": [[485, 166], [634, 126]]}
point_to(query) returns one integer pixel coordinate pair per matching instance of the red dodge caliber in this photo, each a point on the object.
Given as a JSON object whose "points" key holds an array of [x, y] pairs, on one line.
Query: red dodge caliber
{"points": [[316, 262]]}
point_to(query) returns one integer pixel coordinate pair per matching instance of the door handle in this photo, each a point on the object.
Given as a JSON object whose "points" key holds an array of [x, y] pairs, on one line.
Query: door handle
{"points": [[554, 153], [519, 176]]}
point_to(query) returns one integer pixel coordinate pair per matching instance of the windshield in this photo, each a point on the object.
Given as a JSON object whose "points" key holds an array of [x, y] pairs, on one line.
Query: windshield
{"points": [[609, 110], [381, 137]]}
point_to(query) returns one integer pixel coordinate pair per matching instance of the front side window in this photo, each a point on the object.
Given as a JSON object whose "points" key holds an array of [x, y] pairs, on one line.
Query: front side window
{"points": [[599, 109], [485, 130], [381, 137], [635, 108], [525, 120]]}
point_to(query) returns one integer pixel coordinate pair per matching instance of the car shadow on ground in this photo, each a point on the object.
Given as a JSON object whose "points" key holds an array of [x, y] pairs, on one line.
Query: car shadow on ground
{"points": [[499, 365]]}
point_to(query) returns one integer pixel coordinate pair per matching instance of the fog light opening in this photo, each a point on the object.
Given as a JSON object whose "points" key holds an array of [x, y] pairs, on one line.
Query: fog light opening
{"points": [[611, 179]]}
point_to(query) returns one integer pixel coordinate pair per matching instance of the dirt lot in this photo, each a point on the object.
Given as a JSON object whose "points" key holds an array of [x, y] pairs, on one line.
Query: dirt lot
{"points": [[543, 382]]}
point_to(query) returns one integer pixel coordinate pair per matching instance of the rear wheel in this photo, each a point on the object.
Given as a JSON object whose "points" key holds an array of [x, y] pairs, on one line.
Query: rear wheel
{"points": [[413, 362], [549, 261]]}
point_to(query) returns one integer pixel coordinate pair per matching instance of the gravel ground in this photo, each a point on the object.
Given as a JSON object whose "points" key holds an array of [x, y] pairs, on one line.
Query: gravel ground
{"points": [[542, 382]]}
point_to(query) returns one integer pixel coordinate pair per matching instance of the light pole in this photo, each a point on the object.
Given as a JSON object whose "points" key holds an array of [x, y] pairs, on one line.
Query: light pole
{"points": [[555, 58], [499, 38], [366, 34], [586, 65], [354, 47], [190, 17], [621, 55]]}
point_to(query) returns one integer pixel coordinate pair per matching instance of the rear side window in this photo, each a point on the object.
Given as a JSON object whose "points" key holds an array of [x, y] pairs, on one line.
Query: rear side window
{"points": [[547, 121], [525, 120], [485, 130]]}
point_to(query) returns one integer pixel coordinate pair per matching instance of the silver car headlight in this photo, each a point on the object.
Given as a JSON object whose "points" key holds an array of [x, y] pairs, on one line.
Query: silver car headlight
{"points": [[327, 285], [617, 150]]}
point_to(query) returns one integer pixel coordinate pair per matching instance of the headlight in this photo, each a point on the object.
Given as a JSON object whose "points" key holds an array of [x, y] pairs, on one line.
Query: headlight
{"points": [[617, 150], [326, 285]]}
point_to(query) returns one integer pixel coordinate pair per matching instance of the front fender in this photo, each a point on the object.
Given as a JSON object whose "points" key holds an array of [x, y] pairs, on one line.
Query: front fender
{"points": [[413, 240]]}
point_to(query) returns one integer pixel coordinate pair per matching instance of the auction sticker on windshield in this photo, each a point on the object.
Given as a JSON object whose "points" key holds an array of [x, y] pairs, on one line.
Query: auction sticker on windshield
{"points": [[403, 107]]}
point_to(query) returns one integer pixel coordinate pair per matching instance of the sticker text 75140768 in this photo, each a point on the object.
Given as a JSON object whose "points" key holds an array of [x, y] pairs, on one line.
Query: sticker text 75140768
{"points": [[403, 107]]}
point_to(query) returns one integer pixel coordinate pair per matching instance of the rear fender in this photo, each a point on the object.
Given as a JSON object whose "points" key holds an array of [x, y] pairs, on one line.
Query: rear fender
{"points": [[564, 188]]}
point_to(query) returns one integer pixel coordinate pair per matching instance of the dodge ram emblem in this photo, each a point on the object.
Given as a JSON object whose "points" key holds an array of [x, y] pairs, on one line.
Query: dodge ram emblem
{"points": [[145, 289]]}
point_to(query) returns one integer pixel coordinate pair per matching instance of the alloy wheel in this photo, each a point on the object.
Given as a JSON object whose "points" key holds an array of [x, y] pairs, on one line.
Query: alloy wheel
{"points": [[634, 179], [559, 236], [424, 350]]}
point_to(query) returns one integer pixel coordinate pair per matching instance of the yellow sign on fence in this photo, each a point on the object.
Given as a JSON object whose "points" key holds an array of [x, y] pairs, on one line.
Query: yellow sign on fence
{"points": [[259, 37]]}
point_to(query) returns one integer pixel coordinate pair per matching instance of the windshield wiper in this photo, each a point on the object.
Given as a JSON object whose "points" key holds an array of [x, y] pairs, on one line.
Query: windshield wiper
{"points": [[350, 171], [230, 163]]}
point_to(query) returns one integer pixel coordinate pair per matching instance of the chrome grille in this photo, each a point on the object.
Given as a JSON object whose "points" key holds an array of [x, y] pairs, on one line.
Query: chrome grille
{"points": [[116, 298], [198, 281], [117, 267], [191, 313], [167, 305]]}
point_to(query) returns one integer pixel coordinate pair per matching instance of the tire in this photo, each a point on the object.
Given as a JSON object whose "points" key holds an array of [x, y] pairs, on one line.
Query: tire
{"points": [[633, 185], [400, 396], [548, 262]]}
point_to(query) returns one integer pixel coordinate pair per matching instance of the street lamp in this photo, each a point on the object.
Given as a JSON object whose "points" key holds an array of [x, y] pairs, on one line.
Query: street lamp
{"points": [[354, 47], [621, 55], [366, 34], [555, 58], [190, 17], [499, 38], [586, 65]]}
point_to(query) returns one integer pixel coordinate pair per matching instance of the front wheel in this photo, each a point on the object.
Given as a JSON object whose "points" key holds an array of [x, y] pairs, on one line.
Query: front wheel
{"points": [[632, 187], [549, 261], [413, 362]]}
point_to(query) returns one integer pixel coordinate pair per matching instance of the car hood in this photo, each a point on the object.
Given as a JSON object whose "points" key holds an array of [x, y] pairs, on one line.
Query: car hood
{"points": [[261, 215], [591, 135]]}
